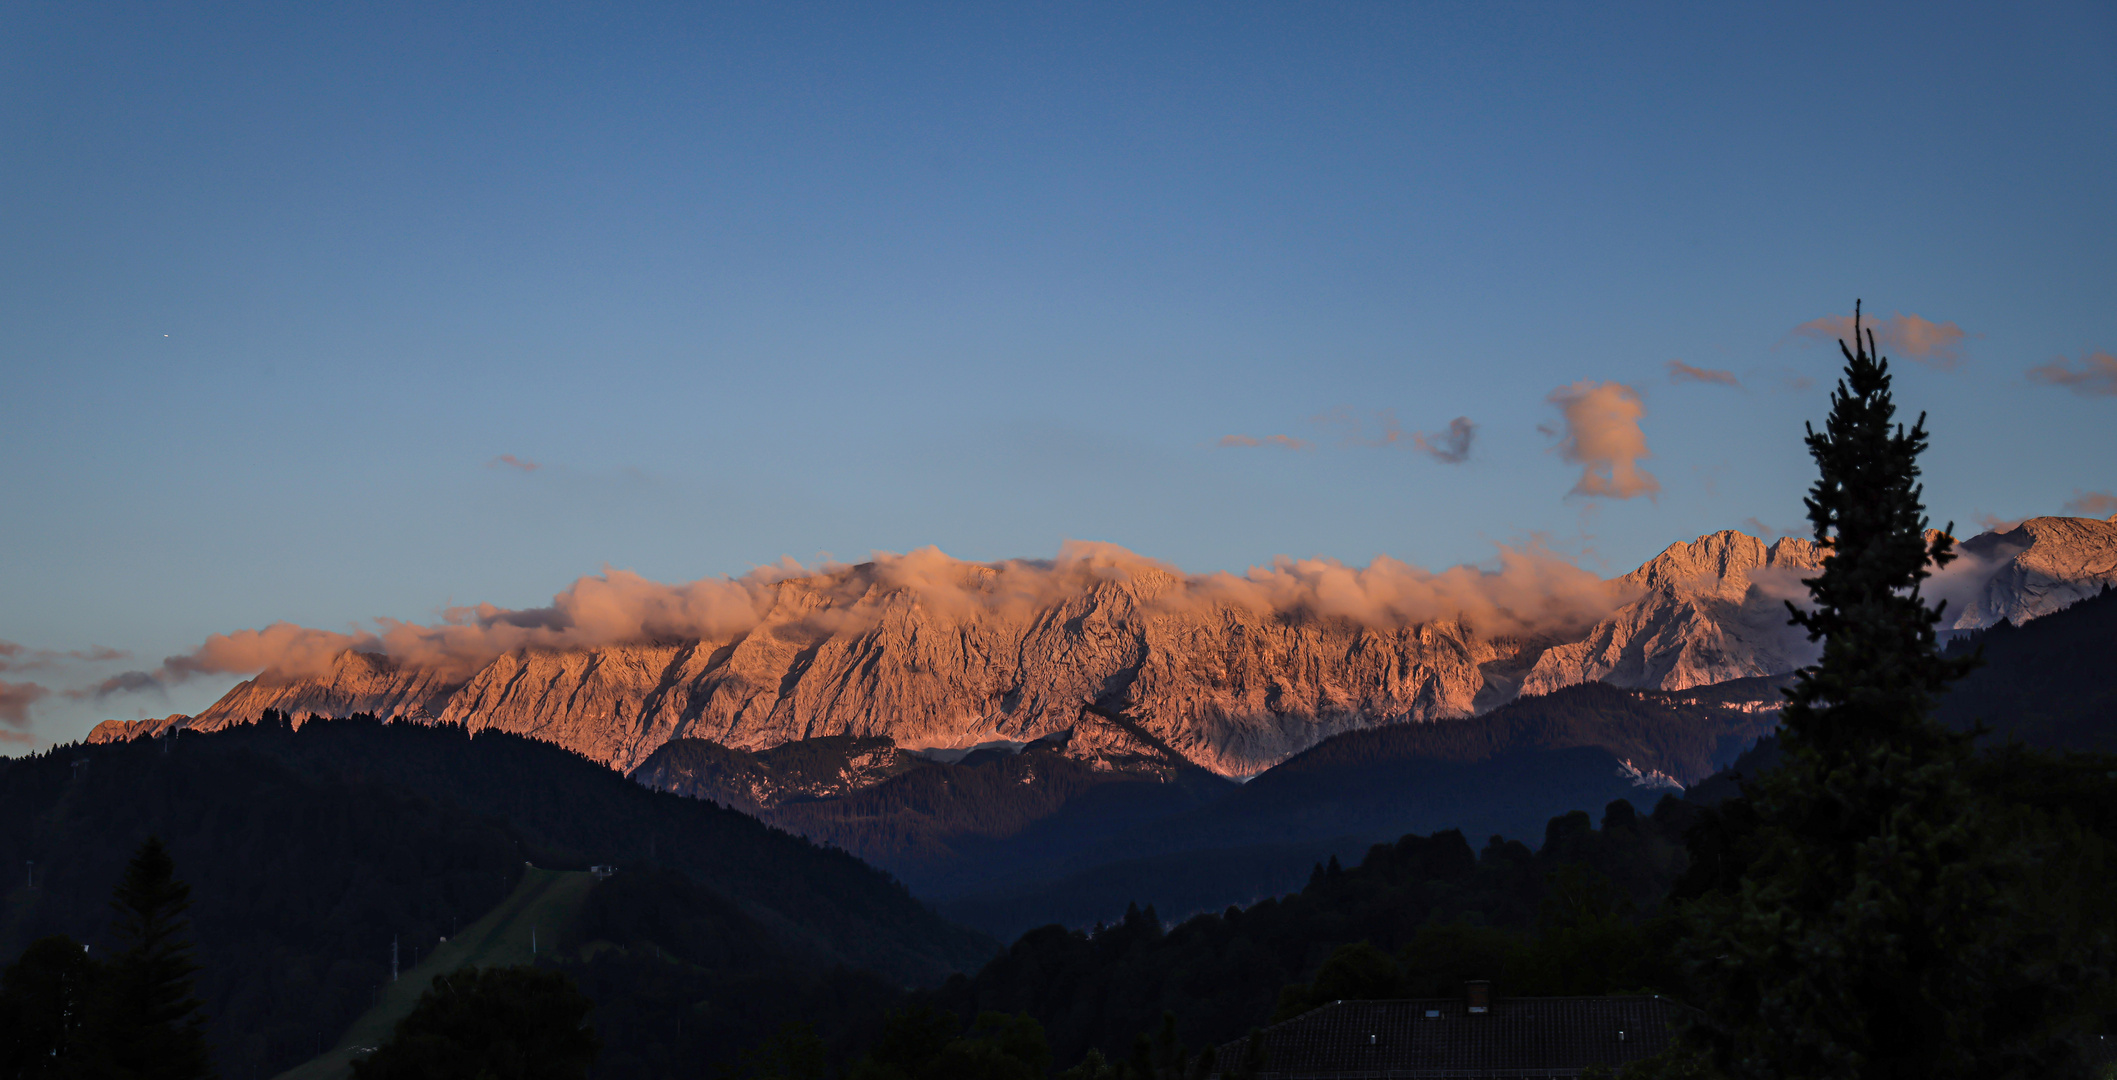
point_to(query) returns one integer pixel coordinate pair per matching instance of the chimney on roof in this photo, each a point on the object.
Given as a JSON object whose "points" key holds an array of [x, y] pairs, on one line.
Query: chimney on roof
{"points": [[1477, 996]]}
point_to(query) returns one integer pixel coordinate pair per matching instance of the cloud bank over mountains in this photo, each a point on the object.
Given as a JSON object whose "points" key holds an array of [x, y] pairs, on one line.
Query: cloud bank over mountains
{"points": [[1529, 591]]}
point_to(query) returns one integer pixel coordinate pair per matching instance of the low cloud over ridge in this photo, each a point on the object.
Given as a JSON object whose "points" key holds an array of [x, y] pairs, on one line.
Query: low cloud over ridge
{"points": [[1600, 432], [2094, 504], [1530, 591]]}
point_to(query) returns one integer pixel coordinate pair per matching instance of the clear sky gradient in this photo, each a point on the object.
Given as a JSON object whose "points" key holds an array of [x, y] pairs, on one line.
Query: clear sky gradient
{"points": [[284, 282]]}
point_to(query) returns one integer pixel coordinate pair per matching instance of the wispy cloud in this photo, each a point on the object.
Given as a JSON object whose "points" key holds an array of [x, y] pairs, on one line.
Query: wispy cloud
{"points": [[509, 461], [1937, 345], [1284, 442], [1680, 372], [1990, 522], [1451, 447], [1600, 432], [2095, 504], [2096, 375], [15, 657], [124, 682], [15, 700]]}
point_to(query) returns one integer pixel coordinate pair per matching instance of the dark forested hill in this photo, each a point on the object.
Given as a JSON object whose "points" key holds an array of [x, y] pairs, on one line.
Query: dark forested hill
{"points": [[2050, 682], [1005, 842], [309, 851], [1435, 910]]}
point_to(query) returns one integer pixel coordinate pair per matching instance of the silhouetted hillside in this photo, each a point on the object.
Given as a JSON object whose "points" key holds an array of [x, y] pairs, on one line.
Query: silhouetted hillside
{"points": [[2050, 682], [1507, 773], [309, 851], [1452, 912]]}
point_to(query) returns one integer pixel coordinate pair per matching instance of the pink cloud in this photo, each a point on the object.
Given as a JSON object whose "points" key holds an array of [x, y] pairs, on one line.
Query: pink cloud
{"points": [[1682, 372], [2095, 504], [512, 462], [1936, 345], [1601, 433], [1995, 523], [2095, 377], [15, 700]]}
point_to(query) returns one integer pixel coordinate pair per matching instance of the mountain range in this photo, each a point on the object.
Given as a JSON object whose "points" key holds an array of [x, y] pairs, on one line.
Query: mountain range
{"points": [[1229, 689]]}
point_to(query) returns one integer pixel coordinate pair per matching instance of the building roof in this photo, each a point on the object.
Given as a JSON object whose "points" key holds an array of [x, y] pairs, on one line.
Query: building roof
{"points": [[1439, 1038]]}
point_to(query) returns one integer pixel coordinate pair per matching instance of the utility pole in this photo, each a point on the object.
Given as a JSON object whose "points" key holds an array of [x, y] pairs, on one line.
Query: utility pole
{"points": [[393, 958], [32, 872]]}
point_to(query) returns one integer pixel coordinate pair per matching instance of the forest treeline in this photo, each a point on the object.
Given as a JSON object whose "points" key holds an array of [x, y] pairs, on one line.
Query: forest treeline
{"points": [[311, 850]]}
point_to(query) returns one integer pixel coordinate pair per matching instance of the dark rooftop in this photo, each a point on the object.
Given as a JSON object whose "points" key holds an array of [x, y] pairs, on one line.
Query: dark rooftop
{"points": [[1439, 1039]]}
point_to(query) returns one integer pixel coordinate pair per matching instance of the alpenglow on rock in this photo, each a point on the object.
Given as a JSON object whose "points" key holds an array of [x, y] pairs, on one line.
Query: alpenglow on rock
{"points": [[1233, 688]]}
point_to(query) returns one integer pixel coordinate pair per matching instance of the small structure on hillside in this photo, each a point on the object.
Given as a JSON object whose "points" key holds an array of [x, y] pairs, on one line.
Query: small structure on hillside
{"points": [[602, 872], [1476, 1035]]}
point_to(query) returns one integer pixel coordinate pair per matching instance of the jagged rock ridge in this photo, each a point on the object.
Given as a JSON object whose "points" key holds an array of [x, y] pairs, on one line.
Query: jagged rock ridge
{"points": [[1231, 689]]}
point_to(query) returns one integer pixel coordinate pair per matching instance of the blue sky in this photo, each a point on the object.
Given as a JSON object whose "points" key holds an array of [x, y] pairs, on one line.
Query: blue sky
{"points": [[282, 283]]}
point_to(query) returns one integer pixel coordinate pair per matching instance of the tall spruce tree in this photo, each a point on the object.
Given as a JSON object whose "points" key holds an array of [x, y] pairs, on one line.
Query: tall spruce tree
{"points": [[1885, 928], [144, 1023]]}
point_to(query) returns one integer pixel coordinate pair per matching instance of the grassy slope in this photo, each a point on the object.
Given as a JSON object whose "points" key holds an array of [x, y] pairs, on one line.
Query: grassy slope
{"points": [[543, 903]]}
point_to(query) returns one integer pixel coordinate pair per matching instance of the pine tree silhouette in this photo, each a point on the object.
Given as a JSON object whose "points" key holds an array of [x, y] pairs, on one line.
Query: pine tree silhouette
{"points": [[1888, 926], [145, 1023]]}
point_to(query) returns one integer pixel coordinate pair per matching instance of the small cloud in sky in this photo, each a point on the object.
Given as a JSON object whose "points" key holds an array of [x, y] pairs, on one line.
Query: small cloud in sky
{"points": [[15, 700], [1936, 345], [1599, 431], [124, 682], [2096, 375], [1284, 442], [1451, 447], [1995, 523], [509, 461], [2094, 504], [1680, 372]]}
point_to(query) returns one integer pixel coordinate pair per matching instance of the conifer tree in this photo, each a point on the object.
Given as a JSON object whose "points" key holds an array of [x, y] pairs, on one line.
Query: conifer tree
{"points": [[144, 1022], [1878, 932]]}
